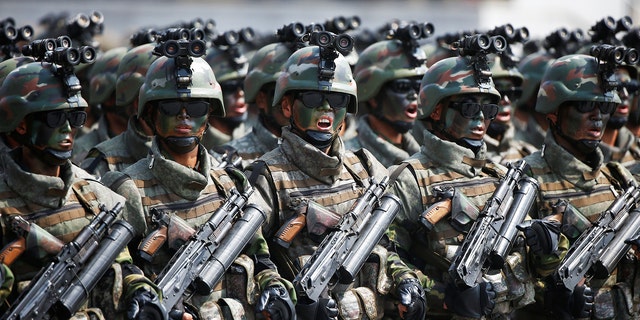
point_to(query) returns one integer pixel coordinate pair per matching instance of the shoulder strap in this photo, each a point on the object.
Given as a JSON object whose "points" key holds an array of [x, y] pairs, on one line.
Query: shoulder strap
{"points": [[83, 197]]}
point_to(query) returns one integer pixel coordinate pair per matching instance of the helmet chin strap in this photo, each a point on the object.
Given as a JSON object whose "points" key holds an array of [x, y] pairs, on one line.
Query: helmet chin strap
{"points": [[181, 145], [472, 144], [51, 156], [585, 146], [319, 139]]}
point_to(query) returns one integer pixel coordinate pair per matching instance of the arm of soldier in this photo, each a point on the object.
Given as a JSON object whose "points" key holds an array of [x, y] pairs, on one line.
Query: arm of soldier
{"points": [[133, 210]]}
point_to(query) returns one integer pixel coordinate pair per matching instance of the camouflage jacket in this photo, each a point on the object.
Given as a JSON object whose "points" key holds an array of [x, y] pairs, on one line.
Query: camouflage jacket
{"points": [[508, 149], [254, 144], [118, 153], [214, 137], [626, 149], [99, 132], [387, 153], [529, 132]]}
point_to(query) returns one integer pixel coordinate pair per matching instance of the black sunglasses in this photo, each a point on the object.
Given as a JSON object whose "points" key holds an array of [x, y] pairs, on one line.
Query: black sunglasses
{"points": [[57, 118], [314, 99], [588, 106], [404, 85], [231, 86], [514, 93], [194, 109], [470, 110]]}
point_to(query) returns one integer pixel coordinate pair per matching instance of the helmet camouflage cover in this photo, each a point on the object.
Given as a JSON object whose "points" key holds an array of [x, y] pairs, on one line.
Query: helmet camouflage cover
{"points": [[160, 84], [33, 88], [572, 78], [265, 67], [221, 61], [449, 77], [131, 72], [384, 61], [300, 72], [499, 70], [532, 68], [12, 63], [102, 75]]}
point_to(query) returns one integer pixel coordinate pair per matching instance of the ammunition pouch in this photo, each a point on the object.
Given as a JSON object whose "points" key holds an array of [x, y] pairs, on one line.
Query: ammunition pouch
{"points": [[320, 219], [463, 212], [574, 223]]}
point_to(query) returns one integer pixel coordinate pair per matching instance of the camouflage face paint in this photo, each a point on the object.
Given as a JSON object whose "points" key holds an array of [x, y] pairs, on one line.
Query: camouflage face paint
{"points": [[399, 106], [505, 86], [181, 125], [233, 97], [582, 126], [323, 118], [460, 127]]}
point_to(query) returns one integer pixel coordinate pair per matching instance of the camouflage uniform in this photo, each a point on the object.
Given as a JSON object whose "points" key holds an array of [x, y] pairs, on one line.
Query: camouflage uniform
{"points": [[508, 149], [626, 151], [299, 174], [386, 152], [61, 204], [447, 163], [254, 144], [133, 144], [589, 187]]}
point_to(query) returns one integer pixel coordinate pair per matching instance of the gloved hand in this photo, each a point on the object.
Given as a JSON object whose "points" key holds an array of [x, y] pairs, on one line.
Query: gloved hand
{"points": [[565, 304], [473, 302], [542, 235], [323, 309], [144, 305], [413, 302], [275, 304]]}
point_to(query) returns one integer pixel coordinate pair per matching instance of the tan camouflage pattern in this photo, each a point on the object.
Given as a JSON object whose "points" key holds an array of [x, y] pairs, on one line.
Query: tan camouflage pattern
{"points": [[571, 78], [81, 146], [220, 62], [254, 144], [384, 61], [265, 67], [8, 65], [160, 84], [33, 88], [626, 149], [448, 77], [300, 72], [131, 73], [102, 75], [508, 149], [532, 68]]}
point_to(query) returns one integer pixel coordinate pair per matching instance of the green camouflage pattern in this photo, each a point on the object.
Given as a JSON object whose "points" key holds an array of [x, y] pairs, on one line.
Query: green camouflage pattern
{"points": [[498, 70], [8, 65], [102, 75], [532, 68], [448, 77], [437, 52], [384, 61], [220, 62], [160, 84], [131, 72], [33, 88], [571, 78], [265, 67], [300, 72]]}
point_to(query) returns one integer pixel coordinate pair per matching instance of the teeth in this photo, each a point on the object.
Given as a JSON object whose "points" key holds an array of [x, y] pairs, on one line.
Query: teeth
{"points": [[324, 121]]}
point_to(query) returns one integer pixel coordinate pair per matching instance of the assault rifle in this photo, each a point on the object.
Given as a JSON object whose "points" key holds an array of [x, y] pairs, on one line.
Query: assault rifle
{"points": [[343, 252], [599, 249], [492, 235], [63, 285], [201, 261]]}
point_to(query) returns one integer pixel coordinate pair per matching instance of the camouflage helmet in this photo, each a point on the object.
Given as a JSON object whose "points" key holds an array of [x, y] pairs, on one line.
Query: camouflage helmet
{"points": [[265, 67], [131, 72], [222, 63], [102, 75], [499, 70], [384, 61], [572, 78], [532, 68], [450, 77], [160, 84], [33, 88], [300, 72], [10, 64]]}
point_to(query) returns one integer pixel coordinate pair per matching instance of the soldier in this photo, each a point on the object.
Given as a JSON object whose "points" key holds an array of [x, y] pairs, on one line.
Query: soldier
{"points": [[310, 167], [619, 143], [571, 168], [388, 74], [181, 177], [7, 142], [102, 95], [458, 100], [259, 87], [500, 139], [133, 144], [43, 110], [230, 67]]}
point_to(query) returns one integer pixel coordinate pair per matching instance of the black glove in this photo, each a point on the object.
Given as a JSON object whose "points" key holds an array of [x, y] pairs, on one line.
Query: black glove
{"points": [[413, 302], [323, 309], [565, 304], [474, 302], [542, 235], [275, 304], [146, 305]]}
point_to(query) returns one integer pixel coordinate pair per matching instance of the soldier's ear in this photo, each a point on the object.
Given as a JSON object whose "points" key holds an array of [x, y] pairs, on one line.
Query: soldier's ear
{"points": [[553, 117], [21, 129], [437, 112], [287, 105]]}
